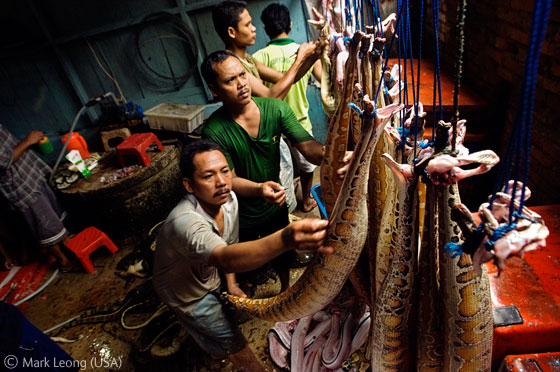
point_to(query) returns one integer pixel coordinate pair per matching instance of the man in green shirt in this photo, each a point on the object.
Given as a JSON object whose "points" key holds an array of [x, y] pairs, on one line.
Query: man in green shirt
{"points": [[249, 130], [280, 54], [233, 24]]}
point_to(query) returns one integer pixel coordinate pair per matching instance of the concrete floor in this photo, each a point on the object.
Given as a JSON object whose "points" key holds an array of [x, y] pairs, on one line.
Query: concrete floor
{"points": [[110, 347]]}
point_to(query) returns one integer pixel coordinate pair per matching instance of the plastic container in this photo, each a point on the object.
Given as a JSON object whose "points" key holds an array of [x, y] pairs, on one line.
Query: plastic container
{"points": [[77, 142], [175, 117], [45, 146]]}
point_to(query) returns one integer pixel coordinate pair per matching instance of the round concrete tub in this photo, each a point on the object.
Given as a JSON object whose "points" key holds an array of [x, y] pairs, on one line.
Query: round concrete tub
{"points": [[128, 207]]}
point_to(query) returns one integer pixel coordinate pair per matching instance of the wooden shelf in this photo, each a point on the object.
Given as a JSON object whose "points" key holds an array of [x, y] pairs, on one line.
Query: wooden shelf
{"points": [[468, 100]]}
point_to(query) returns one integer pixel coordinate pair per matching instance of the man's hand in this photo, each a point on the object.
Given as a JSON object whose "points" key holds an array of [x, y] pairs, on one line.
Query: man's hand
{"points": [[347, 159], [307, 234], [233, 289], [34, 137], [306, 50], [273, 193]]}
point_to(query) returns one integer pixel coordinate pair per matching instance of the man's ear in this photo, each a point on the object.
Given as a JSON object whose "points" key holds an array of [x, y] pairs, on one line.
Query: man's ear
{"points": [[187, 184], [212, 90], [290, 29], [231, 31]]}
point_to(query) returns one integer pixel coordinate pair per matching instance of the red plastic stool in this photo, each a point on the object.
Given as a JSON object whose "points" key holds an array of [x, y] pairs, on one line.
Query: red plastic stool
{"points": [[87, 241], [136, 145]]}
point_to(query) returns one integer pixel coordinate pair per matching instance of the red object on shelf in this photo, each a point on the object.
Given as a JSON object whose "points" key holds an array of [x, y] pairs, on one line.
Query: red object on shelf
{"points": [[542, 362], [136, 145], [87, 241], [532, 285]]}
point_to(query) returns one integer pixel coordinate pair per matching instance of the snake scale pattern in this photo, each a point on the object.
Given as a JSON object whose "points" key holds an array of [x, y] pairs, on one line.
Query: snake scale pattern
{"points": [[325, 275], [337, 135], [467, 312], [393, 317]]}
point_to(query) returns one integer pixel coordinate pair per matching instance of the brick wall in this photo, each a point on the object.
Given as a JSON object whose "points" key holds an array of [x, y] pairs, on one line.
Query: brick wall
{"points": [[496, 41]]}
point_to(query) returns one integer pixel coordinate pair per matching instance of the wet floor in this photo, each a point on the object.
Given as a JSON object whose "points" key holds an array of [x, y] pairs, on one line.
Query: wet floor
{"points": [[106, 345]]}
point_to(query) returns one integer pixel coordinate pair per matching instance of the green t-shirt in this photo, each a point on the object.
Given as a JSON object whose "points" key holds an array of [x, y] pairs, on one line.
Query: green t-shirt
{"points": [[256, 159], [280, 54]]}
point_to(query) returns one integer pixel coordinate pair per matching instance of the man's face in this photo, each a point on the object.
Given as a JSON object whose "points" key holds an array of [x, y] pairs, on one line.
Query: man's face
{"points": [[232, 82], [211, 180], [245, 33]]}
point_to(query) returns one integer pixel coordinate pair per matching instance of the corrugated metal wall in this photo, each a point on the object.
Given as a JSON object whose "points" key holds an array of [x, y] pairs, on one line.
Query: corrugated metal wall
{"points": [[48, 70]]}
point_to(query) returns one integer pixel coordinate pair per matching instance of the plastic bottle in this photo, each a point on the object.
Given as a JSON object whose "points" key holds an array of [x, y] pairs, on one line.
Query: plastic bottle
{"points": [[45, 146], [77, 142]]}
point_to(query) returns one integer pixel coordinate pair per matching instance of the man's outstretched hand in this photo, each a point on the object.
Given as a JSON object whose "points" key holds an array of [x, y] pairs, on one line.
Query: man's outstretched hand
{"points": [[309, 234]]}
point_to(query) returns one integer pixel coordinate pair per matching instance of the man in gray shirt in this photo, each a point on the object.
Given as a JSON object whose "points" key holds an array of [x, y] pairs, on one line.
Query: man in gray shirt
{"points": [[200, 237]]}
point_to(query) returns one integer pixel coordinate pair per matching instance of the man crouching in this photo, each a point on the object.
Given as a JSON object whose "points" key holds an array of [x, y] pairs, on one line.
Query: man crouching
{"points": [[200, 237]]}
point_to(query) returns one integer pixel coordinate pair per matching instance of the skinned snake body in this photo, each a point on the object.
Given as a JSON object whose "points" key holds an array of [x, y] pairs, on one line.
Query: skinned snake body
{"points": [[328, 98]]}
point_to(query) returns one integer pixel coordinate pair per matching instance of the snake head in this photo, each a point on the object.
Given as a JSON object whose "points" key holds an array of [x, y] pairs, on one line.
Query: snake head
{"points": [[359, 90], [320, 22], [378, 44], [364, 46]]}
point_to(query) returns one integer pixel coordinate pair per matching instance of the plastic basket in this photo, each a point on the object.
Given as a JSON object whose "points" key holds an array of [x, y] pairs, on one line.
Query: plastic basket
{"points": [[175, 117]]}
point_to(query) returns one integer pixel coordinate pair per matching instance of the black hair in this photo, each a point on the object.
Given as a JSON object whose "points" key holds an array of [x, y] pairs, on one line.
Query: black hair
{"points": [[227, 14], [186, 163], [207, 66], [276, 20]]}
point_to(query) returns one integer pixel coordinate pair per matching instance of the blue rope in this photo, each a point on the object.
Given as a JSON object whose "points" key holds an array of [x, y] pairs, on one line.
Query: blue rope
{"points": [[454, 249], [362, 113], [348, 14], [378, 19], [424, 145], [542, 32], [367, 11], [499, 233], [356, 15], [404, 37], [384, 67], [352, 105], [409, 30], [437, 77], [418, 77], [517, 159]]}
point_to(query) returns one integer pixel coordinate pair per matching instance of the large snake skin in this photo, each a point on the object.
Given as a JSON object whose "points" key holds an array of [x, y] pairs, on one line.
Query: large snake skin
{"points": [[380, 184], [359, 277], [364, 76], [325, 275], [429, 352], [467, 315], [393, 319], [337, 135]]}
